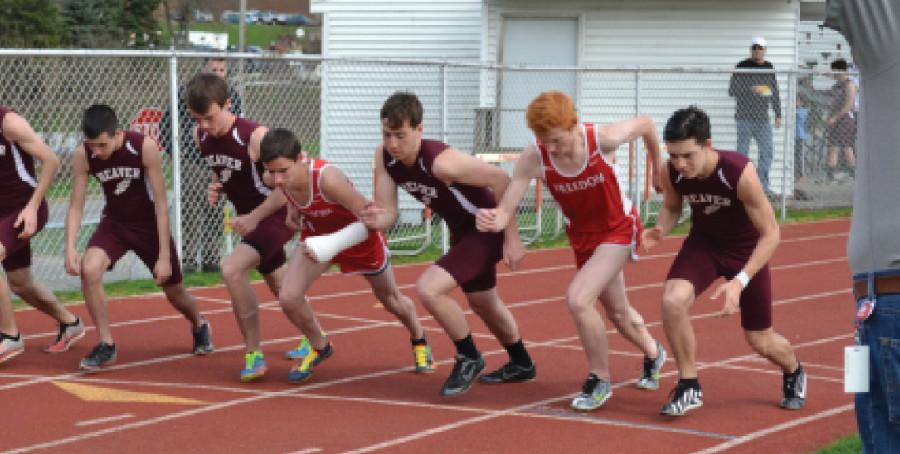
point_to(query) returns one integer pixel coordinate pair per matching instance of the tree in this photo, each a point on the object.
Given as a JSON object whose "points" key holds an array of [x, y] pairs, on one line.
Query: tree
{"points": [[93, 23], [138, 22], [30, 23]]}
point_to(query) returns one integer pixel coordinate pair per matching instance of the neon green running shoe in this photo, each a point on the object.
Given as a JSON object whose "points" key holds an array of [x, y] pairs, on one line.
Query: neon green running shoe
{"points": [[254, 367]]}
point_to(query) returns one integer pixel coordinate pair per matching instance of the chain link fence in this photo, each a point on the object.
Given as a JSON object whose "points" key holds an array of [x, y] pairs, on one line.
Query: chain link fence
{"points": [[333, 107]]}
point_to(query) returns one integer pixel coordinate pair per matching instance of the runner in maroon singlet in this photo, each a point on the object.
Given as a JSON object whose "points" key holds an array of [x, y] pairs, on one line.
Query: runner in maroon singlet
{"points": [[230, 146], [135, 218], [23, 212], [321, 200], [733, 235], [577, 163], [455, 185]]}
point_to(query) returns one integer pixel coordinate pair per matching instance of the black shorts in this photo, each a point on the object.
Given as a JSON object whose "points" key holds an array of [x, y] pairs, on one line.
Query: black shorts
{"points": [[472, 260], [116, 238]]}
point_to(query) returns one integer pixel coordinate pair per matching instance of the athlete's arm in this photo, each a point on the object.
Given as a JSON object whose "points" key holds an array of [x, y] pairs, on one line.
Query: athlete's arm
{"points": [[17, 130], [336, 187], [76, 209], [455, 167], [255, 140], [668, 214], [381, 214], [610, 136], [750, 192], [150, 158], [527, 167]]}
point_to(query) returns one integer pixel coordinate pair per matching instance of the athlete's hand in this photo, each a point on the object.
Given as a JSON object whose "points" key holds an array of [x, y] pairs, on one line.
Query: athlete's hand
{"points": [[513, 252], [491, 220], [245, 224], [162, 271], [732, 291], [293, 219], [73, 262], [650, 238], [370, 214], [28, 220], [212, 193]]}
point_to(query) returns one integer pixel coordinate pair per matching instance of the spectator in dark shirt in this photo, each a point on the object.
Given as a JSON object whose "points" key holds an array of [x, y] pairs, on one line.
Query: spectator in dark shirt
{"points": [[753, 93]]}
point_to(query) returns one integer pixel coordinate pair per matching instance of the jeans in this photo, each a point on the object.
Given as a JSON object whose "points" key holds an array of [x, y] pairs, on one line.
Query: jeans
{"points": [[761, 131], [878, 411]]}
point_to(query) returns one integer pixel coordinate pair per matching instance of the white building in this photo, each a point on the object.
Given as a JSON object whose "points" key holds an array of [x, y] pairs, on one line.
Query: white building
{"points": [[485, 107]]}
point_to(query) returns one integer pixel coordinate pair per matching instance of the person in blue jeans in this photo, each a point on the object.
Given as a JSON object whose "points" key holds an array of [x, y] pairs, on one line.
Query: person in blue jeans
{"points": [[872, 28], [753, 93]]}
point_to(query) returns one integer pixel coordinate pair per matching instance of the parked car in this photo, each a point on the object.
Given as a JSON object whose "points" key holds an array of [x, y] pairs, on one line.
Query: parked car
{"points": [[233, 17], [269, 17], [294, 19], [202, 16]]}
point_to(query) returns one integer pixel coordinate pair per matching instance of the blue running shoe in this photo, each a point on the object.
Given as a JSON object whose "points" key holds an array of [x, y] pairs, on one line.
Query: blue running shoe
{"points": [[254, 367], [300, 352], [304, 370]]}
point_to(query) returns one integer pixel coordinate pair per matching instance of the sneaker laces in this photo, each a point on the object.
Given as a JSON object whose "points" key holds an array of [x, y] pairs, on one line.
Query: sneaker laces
{"points": [[790, 385], [590, 384], [421, 352], [648, 367], [250, 360]]}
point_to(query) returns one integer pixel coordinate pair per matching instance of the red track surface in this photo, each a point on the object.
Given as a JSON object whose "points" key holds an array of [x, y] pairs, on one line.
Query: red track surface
{"points": [[365, 398]]}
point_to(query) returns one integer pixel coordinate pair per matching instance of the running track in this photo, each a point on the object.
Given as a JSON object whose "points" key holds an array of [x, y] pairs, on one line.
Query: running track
{"points": [[366, 399]]}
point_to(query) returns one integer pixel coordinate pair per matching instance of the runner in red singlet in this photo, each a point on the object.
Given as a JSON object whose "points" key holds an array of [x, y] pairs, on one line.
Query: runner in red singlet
{"points": [[321, 200], [577, 164]]}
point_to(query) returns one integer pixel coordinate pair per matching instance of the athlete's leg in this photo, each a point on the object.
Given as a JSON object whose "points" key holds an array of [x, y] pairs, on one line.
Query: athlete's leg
{"points": [[773, 347], [433, 289], [490, 308], [93, 265], [627, 319], [678, 296], [183, 302], [7, 315], [235, 272], [37, 295], [302, 273], [384, 285]]}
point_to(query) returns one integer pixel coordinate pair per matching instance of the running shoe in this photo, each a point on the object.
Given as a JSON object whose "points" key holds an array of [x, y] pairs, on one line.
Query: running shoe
{"points": [[300, 352], [303, 370], [203, 344], [594, 393], [683, 399], [794, 388], [510, 373], [650, 376], [254, 367], [424, 360], [463, 374], [102, 355], [10, 346]]}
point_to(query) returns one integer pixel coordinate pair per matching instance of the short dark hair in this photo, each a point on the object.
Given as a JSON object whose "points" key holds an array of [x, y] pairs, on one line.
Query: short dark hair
{"points": [[205, 89], [689, 123], [97, 119], [400, 107], [279, 143], [839, 65]]}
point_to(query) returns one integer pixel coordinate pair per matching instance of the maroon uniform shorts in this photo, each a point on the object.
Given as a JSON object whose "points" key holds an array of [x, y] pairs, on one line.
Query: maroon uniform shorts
{"points": [[18, 251], [700, 263], [116, 238], [268, 239], [472, 260]]}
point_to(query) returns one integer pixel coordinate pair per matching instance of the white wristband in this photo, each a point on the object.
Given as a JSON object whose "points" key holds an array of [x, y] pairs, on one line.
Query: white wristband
{"points": [[743, 279]]}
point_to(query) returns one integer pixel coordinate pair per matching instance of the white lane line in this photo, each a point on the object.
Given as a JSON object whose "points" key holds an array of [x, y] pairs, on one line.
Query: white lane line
{"points": [[91, 422], [307, 451], [775, 429]]}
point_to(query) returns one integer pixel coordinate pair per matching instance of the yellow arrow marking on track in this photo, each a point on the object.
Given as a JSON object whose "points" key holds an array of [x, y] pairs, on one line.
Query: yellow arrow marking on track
{"points": [[99, 393]]}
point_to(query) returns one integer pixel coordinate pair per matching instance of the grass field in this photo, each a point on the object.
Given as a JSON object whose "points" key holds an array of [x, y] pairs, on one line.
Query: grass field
{"points": [[254, 34]]}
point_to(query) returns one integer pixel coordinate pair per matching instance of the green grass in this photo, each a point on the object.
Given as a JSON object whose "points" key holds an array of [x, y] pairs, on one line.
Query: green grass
{"points": [[847, 445]]}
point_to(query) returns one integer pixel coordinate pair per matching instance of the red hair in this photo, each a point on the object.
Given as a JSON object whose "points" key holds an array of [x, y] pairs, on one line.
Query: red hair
{"points": [[551, 109]]}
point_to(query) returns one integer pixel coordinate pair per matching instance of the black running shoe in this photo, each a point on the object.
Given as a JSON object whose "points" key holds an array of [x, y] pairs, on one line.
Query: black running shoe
{"points": [[510, 373], [794, 388], [464, 372], [684, 398], [203, 344], [102, 355]]}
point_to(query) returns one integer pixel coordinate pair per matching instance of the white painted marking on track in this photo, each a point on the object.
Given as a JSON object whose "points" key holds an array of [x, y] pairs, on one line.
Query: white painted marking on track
{"points": [[91, 422], [307, 451]]}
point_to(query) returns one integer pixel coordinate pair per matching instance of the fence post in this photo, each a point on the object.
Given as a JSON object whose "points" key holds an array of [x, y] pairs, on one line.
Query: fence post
{"points": [[175, 140], [634, 186], [790, 127], [445, 246]]}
